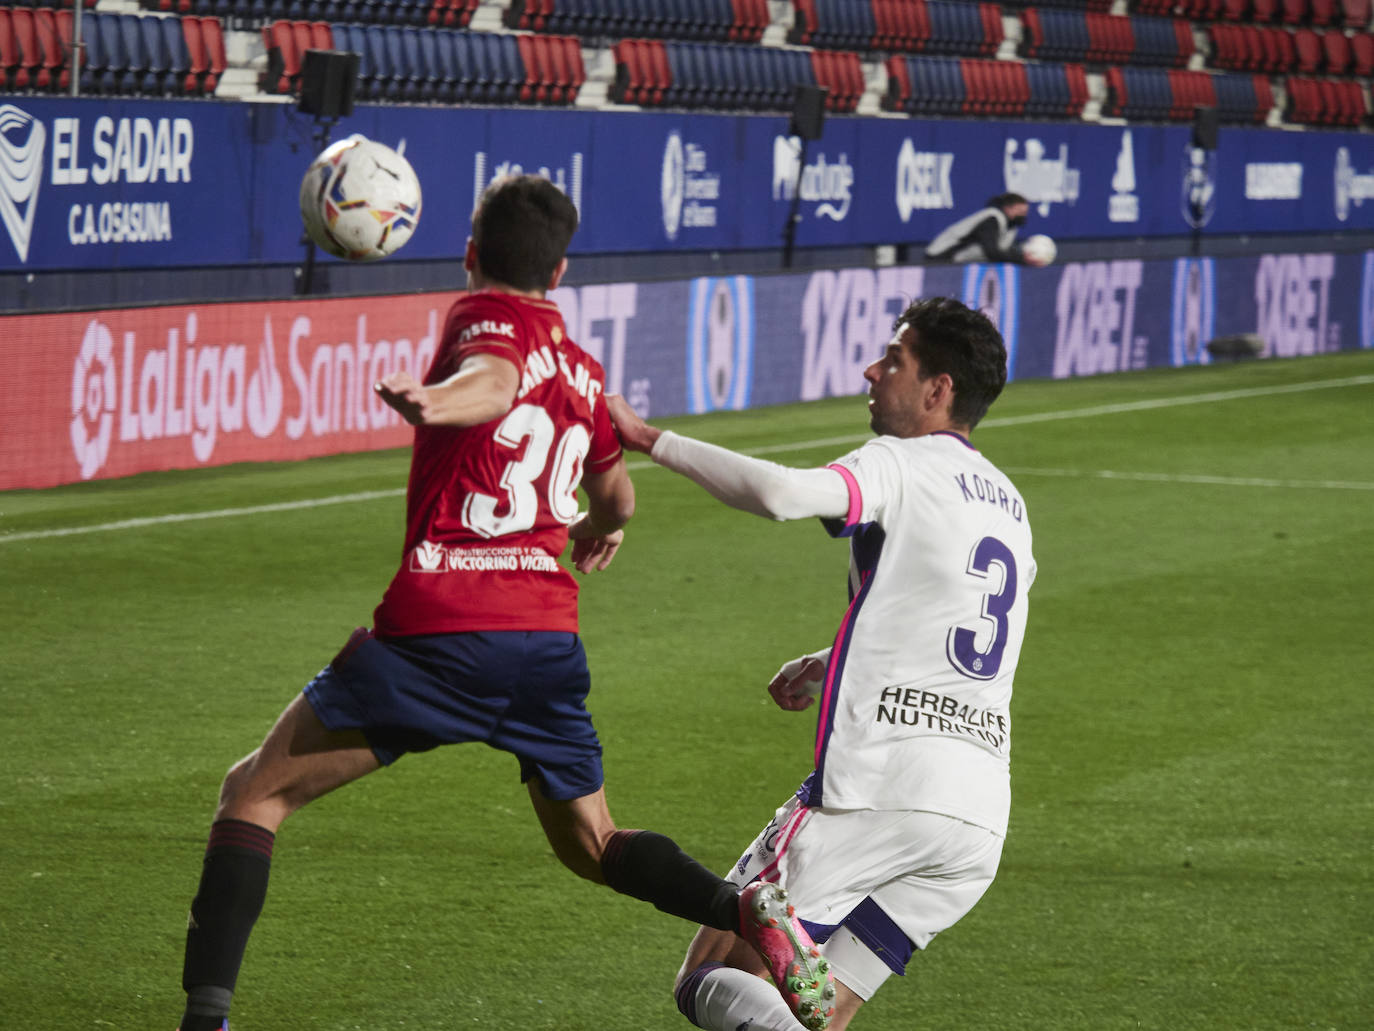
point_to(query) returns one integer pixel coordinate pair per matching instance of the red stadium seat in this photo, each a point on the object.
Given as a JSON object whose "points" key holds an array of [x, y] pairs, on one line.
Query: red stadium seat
{"points": [[195, 47], [898, 93], [1264, 97], [63, 19], [1309, 49], [637, 85], [9, 52], [1337, 50], [534, 88], [321, 36], [1355, 14], [577, 70], [26, 45], [54, 55], [212, 35], [1235, 10], [1362, 52], [991, 15], [1323, 12], [1294, 12], [1264, 10], [278, 36]]}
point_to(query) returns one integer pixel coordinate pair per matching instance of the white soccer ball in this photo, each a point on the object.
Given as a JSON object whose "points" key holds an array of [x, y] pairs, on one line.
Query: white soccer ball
{"points": [[360, 200], [1039, 249]]}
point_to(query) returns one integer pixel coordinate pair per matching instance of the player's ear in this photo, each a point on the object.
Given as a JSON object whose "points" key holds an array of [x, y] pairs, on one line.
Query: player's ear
{"points": [[470, 255], [942, 397], [558, 274]]}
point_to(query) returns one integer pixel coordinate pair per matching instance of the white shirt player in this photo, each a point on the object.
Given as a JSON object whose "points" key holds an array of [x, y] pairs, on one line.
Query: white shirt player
{"points": [[914, 704], [914, 710]]}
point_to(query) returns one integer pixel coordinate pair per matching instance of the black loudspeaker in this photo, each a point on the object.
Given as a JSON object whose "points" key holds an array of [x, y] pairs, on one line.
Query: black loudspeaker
{"points": [[1205, 127], [808, 112], [327, 80]]}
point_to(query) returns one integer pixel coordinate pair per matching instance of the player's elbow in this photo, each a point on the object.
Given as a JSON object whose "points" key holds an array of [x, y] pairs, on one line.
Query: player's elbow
{"points": [[614, 512]]}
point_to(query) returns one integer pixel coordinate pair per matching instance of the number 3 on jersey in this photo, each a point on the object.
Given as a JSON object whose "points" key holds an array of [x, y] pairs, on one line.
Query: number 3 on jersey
{"points": [[961, 644], [521, 500]]}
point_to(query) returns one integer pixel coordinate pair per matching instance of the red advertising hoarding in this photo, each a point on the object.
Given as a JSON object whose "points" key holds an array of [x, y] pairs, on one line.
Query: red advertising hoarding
{"points": [[97, 395]]}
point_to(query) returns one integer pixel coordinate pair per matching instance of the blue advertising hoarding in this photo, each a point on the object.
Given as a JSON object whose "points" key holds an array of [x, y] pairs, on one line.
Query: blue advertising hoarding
{"points": [[99, 183]]}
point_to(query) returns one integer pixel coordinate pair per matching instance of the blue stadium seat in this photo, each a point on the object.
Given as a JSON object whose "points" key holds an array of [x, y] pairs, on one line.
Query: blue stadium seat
{"points": [[178, 57], [156, 54], [382, 85], [405, 83], [444, 62], [93, 71], [116, 58]]}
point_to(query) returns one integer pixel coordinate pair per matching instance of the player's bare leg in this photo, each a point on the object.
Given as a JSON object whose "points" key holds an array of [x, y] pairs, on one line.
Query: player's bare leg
{"points": [[297, 762], [578, 829], [724, 983], [639, 863]]}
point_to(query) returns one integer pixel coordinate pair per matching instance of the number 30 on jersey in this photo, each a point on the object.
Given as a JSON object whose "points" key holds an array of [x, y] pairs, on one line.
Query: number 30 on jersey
{"points": [[521, 499]]}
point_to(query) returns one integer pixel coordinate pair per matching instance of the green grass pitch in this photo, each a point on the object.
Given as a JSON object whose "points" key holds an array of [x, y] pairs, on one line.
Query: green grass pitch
{"points": [[1192, 835]]}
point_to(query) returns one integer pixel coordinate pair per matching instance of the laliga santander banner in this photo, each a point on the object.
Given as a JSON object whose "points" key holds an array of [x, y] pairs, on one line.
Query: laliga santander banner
{"points": [[96, 395]]}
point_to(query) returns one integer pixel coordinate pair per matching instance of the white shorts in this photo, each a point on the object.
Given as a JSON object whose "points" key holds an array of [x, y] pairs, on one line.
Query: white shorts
{"points": [[894, 879]]}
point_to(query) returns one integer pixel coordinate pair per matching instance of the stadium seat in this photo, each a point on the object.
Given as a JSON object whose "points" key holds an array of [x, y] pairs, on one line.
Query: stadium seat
{"points": [[1355, 14], [1322, 12], [751, 18], [283, 58], [199, 61], [212, 33], [1362, 54], [155, 79], [1336, 49], [1294, 12], [382, 84], [178, 57], [9, 54], [1264, 11], [405, 72], [112, 46], [53, 73], [1309, 50], [30, 55]]}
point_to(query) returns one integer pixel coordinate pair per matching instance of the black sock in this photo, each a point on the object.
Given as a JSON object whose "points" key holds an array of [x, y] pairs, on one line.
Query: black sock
{"points": [[650, 867], [233, 886]]}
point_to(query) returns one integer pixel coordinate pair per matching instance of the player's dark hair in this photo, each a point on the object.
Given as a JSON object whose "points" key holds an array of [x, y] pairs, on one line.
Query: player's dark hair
{"points": [[953, 339], [1006, 200], [521, 230]]}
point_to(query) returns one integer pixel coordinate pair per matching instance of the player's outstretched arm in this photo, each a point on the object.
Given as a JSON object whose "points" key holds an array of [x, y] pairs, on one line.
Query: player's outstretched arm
{"points": [[482, 389], [597, 533], [749, 484]]}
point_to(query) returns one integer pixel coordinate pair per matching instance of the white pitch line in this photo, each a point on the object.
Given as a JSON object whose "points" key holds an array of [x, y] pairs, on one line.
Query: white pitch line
{"points": [[1194, 478], [807, 445], [187, 517]]}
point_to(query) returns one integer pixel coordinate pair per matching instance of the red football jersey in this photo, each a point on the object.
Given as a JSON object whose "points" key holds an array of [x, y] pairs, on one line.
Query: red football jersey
{"points": [[488, 506]]}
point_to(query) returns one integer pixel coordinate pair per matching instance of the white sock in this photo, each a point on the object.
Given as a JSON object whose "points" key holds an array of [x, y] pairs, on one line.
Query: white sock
{"points": [[721, 998]]}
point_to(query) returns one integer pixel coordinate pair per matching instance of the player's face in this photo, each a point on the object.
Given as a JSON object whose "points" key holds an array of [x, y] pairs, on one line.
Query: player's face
{"points": [[896, 392]]}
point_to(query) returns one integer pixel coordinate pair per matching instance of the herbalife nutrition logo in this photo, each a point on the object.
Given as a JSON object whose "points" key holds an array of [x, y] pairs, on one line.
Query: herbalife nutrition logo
{"points": [[21, 167]]}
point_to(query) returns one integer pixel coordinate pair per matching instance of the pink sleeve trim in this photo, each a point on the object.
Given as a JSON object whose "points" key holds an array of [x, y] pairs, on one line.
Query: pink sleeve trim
{"points": [[856, 500]]}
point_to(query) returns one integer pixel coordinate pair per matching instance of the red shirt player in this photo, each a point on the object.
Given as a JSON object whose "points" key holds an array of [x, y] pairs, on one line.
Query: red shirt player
{"points": [[476, 637], [488, 507]]}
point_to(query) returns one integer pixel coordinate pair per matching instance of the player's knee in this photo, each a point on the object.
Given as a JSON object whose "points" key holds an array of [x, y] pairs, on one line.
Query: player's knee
{"points": [[234, 787], [582, 855]]}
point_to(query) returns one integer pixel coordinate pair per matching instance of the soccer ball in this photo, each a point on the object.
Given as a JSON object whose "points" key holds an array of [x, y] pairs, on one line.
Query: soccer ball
{"points": [[1039, 249], [360, 199]]}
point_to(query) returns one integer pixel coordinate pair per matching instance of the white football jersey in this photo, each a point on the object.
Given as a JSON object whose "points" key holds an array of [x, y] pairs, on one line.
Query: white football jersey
{"points": [[915, 708]]}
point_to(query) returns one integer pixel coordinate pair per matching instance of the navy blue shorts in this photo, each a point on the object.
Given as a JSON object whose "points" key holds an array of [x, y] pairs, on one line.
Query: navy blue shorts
{"points": [[523, 692]]}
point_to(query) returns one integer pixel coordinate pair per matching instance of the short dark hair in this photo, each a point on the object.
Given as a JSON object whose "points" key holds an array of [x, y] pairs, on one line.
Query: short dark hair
{"points": [[521, 229], [948, 337], [1006, 200]]}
